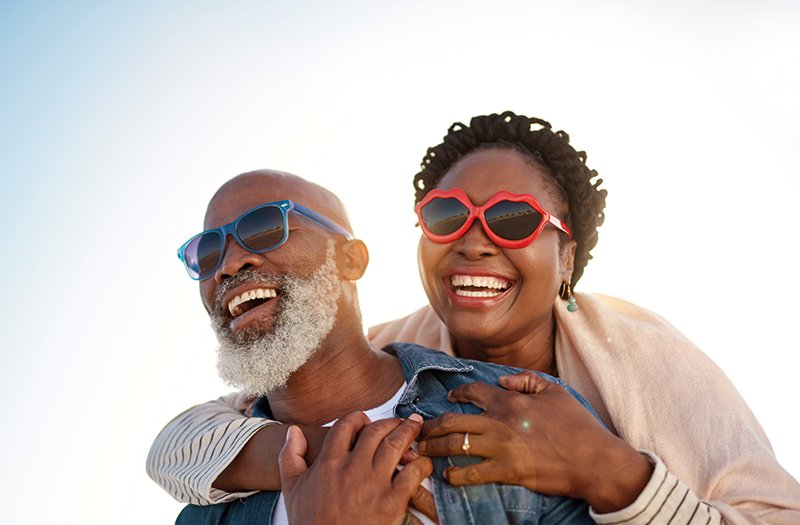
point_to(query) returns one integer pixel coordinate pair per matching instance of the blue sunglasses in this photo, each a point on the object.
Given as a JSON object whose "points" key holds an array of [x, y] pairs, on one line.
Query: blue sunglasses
{"points": [[259, 230]]}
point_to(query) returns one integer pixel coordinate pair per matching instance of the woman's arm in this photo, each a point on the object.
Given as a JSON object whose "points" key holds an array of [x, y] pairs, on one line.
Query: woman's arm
{"points": [[213, 453], [255, 467], [195, 448], [538, 436], [663, 501], [539, 441]]}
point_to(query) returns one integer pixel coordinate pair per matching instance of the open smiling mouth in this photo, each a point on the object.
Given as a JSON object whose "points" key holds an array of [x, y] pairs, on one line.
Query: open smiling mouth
{"points": [[472, 286], [249, 300]]}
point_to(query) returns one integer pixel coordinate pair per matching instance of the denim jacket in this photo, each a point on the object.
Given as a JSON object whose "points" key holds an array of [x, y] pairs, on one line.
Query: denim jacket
{"points": [[430, 374]]}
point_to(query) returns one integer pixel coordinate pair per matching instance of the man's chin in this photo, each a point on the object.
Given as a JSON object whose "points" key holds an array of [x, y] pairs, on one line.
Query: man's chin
{"points": [[249, 334], [245, 334], [250, 367]]}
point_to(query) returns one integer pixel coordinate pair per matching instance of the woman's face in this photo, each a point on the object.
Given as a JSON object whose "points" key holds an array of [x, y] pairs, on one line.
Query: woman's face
{"points": [[518, 288]]}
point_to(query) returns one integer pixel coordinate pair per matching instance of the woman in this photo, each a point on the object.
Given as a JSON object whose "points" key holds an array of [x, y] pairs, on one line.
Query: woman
{"points": [[494, 290]]}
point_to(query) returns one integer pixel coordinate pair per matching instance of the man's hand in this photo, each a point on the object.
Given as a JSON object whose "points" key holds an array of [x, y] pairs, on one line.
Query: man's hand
{"points": [[354, 480]]}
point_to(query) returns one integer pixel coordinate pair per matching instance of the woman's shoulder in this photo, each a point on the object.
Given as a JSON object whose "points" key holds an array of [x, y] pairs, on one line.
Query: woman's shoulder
{"points": [[602, 316]]}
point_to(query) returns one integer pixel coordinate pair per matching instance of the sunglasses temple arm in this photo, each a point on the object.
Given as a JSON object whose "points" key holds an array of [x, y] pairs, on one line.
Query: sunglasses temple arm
{"points": [[560, 225], [323, 221]]}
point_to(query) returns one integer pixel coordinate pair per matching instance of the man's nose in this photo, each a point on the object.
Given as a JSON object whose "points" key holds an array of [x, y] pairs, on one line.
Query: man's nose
{"points": [[234, 259], [475, 244]]}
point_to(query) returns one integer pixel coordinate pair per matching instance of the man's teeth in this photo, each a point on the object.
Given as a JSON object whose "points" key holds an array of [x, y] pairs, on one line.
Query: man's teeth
{"points": [[260, 293], [493, 283]]}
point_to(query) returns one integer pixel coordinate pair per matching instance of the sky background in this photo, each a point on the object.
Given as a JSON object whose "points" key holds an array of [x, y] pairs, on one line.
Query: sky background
{"points": [[118, 121]]}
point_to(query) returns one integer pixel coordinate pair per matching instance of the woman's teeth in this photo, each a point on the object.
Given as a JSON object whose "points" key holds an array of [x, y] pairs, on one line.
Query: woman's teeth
{"points": [[234, 306], [493, 284]]}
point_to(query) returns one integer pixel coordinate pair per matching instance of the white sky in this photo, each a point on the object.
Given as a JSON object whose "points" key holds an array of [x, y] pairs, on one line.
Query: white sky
{"points": [[118, 122]]}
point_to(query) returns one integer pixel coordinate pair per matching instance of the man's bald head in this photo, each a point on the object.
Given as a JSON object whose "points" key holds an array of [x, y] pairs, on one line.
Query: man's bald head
{"points": [[252, 188]]}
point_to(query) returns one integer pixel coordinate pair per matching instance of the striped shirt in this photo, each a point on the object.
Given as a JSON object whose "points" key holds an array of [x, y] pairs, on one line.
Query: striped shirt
{"points": [[664, 500], [195, 447]]}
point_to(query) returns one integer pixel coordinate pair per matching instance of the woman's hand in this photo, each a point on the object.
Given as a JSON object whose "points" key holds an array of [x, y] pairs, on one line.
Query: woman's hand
{"points": [[354, 480], [537, 435]]}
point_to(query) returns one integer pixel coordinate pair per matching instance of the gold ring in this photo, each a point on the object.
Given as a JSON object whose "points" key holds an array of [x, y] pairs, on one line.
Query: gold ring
{"points": [[465, 445]]}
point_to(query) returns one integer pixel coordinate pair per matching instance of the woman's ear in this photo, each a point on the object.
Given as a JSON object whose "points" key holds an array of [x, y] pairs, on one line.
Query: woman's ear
{"points": [[568, 260], [353, 259]]}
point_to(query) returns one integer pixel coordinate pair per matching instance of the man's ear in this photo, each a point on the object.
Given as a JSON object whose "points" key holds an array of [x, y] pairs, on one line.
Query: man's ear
{"points": [[353, 259]]}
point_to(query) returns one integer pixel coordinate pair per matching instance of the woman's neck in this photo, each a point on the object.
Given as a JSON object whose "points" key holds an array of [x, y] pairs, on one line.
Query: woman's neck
{"points": [[533, 350]]}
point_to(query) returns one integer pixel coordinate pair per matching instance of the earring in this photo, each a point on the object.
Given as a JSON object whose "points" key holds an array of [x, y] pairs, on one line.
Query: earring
{"points": [[566, 293]]}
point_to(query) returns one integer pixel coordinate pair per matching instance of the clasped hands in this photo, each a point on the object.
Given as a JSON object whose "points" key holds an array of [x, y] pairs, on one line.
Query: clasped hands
{"points": [[532, 433]]}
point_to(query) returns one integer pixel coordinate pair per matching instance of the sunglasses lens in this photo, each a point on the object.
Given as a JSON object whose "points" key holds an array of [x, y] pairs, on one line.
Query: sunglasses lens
{"points": [[202, 254], [262, 228], [513, 221], [443, 216]]}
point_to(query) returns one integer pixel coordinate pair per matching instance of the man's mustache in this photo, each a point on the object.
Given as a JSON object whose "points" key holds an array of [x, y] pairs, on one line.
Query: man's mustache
{"points": [[244, 277]]}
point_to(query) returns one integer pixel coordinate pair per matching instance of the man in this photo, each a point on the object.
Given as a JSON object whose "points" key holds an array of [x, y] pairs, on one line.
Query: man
{"points": [[277, 267]]}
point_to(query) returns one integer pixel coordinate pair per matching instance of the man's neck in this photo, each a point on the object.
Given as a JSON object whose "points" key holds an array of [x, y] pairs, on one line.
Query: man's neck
{"points": [[345, 375]]}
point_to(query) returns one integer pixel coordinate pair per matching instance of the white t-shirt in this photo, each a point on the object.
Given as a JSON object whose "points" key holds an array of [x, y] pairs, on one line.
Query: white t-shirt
{"points": [[385, 411]]}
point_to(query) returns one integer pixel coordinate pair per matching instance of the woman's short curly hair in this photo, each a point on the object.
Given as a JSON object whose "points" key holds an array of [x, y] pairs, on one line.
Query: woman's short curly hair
{"points": [[534, 138]]}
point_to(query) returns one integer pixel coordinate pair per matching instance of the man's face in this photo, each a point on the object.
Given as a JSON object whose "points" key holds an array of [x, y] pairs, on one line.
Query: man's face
{"points": [[300, 256], [270, 311]]}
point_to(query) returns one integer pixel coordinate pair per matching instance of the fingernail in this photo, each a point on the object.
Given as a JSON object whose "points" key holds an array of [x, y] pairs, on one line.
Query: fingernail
{"points": [[422, 446], [415, 417], [288, 432]]}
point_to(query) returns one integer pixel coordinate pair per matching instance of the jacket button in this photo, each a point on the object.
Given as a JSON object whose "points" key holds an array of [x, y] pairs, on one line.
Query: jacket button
{"points": [[416, 399]]}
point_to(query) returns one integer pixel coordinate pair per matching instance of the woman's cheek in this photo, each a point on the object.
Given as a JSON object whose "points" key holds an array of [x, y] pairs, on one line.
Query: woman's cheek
{"points": [[429, 255]]}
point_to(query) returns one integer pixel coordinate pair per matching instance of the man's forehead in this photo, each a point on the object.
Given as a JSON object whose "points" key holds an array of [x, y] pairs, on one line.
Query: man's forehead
{"points": [[249, 190], [241, 194]]}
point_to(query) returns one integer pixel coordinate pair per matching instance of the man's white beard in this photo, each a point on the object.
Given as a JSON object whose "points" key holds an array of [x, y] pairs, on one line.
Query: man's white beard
{"points": [[258, 361]]}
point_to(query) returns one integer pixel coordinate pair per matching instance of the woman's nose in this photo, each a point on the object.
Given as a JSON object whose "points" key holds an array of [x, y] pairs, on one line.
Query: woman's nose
{"points": [[475, 244]]}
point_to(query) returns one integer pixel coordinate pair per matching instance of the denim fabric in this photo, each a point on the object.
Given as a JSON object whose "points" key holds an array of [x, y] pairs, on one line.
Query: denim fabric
{"points": [[255, 509], [430, 374]]}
